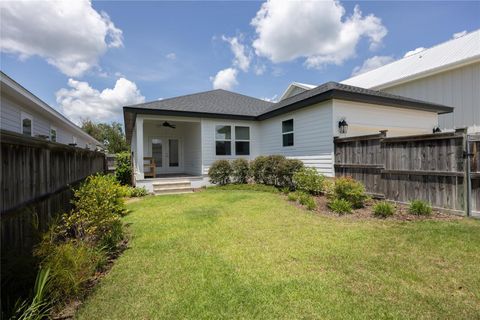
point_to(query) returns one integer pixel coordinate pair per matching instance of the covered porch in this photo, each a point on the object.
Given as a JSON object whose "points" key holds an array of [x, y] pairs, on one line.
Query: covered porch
{"points": [[166, 147]]}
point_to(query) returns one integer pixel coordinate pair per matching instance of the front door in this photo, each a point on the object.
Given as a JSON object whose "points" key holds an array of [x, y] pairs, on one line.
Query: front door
{"points": [[168, 155]]}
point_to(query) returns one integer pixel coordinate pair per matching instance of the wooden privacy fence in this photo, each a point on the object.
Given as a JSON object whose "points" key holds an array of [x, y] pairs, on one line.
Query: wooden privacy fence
{"points": [[35, 183], [430, 167]]}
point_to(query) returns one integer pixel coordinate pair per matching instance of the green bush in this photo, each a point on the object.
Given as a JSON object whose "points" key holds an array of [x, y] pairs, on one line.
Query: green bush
{"points": [[347, 188], [98, 206], [307, 200], [139, 192], [309, 180], [220, 172], [420, 208], [340, 206], [123, 171], [71, 265], [275, 170], [383, 209], [293, 196], [257, 168], [240, 171]]}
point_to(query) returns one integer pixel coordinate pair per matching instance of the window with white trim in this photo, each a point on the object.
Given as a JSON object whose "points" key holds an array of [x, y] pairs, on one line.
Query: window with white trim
{"points": [[53, 134], [287, 133], [242, 141], [27, 124], [223, 140]]}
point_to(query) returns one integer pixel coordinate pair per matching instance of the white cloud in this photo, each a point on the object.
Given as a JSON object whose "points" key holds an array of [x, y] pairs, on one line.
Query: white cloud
{"points": [[171, 56], [242, 57], [70, 35], [82, 101], [459, 34], [318, 31], [414, 51], [259, 69], [274, 98], [372, 63], [225, 79]]}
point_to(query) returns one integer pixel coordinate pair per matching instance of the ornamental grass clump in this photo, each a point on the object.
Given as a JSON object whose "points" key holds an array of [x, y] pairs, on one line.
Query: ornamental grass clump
{"points": [[383, 209], [419, 208], [340, 206]]}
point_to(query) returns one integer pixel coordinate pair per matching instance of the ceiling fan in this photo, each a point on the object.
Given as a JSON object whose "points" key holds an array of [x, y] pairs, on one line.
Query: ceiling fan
{"points": [[166, 124]]}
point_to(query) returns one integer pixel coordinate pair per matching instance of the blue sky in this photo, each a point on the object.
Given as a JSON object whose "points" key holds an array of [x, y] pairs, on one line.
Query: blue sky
{"points": [[165, 49]]}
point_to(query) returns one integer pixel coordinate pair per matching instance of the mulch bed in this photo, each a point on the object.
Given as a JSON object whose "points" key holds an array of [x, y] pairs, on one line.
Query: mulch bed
{"points": [[365, 213]]}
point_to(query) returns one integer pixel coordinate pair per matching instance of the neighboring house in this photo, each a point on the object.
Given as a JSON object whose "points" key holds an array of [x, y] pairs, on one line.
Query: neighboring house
{"points": [[448, 73], [186, 134], [24, 113]]}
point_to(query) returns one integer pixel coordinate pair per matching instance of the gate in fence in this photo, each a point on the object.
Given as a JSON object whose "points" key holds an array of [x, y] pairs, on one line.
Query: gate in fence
{"points": [[441, 168]]}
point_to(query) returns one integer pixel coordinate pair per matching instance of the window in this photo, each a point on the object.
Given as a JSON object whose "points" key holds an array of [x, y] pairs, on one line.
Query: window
{"points": [[223, 140], [287, 133], [27, 124], [53, 134], [242, 141]]}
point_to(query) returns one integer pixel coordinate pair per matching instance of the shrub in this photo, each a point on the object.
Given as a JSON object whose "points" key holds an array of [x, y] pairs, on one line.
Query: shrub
{"points": [[383, 209], [340, 206], [98, 206], [71, 265], [220, 172], [309, 180], [257, 168], [139, 192], [123, 171], [240, 171], [419, 208], [307, 200], [347, 188], [275, 170]]}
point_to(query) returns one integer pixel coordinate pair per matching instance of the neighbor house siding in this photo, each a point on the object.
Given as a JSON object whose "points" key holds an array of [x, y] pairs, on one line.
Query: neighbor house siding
{"points": [[208, 140], [10, 119], [313, 139], [458, 88], [365, 119]]}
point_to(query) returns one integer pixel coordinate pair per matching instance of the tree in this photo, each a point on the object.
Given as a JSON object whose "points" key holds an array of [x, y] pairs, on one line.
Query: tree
{"points": [[111, 135]]}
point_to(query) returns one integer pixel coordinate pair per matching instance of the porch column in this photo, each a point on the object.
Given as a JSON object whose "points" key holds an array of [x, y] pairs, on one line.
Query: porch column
{"points": [[139, 146]]}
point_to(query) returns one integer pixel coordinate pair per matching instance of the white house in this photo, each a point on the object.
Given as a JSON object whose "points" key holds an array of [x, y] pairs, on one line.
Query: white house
{"points": [[186, 134], [448, 73], [24, 113]]}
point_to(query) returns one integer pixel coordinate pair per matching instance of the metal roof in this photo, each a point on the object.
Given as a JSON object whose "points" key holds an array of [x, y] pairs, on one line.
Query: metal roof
{"points": [[453, 53]]}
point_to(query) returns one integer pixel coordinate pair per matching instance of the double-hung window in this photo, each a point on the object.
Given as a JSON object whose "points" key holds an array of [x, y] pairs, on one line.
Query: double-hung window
{"points": [[287, 133], [27, 124], [223, 140], [53, 134], [242, 141]]}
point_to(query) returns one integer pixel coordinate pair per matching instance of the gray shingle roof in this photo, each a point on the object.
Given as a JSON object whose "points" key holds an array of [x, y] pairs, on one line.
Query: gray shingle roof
{"points": [[225, 104], [215, 101]]}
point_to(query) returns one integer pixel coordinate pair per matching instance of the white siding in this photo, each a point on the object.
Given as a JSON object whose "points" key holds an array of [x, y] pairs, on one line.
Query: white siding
{"points": [[313, 139], [208, 140], [364, 119], [10, 119], [459, 88]]}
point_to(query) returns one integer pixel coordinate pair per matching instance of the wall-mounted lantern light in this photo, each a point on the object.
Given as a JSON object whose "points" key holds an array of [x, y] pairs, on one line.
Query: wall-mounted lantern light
{"points": [[436, 130], [342, 126]]}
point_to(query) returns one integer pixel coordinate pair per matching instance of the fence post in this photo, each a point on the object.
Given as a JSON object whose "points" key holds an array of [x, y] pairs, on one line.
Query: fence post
{"points": [[466, 169]]}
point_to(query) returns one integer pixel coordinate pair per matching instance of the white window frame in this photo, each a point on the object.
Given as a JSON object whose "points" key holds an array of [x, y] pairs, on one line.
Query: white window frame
{"points": [[242, 140], [56, 133], [23, 116], [231, 140], [289, 132]]}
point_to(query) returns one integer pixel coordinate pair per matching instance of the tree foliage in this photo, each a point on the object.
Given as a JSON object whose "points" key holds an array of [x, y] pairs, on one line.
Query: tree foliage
{"points": [[110, 134]]}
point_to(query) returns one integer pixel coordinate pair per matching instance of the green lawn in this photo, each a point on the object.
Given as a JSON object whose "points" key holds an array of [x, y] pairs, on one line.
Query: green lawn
{"points": [[252, 255]]}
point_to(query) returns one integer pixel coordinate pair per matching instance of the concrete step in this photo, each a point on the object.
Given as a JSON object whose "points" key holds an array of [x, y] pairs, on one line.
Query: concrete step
{"points": [[174, 184], [172, 190]]}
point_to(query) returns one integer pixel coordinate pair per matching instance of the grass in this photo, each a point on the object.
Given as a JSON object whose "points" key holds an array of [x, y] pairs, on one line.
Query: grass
{"points": [[242, 254]]}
